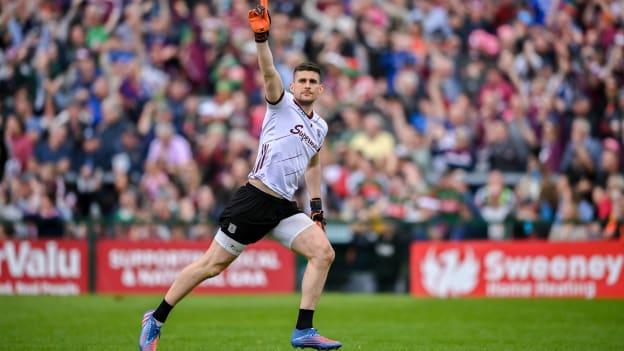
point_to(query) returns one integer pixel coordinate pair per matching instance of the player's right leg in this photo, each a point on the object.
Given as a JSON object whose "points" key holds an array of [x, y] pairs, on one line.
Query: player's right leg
{"points": [[301, 235], [313, 244], [218, 257]]}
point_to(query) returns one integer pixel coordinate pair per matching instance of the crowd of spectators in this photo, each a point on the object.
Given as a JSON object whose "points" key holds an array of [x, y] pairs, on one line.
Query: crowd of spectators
{"points": [[462, 114]]}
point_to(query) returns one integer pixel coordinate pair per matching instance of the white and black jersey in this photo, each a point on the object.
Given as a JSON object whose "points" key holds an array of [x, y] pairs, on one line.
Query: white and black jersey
{"points": [[289, 139]]}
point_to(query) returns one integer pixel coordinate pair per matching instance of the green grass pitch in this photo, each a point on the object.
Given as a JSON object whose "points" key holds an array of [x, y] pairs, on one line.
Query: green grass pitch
{"points": [[361, 322]]}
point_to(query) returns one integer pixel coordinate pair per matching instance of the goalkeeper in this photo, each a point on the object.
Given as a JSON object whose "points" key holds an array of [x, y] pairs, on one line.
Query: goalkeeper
{"points": [[291, 138]]}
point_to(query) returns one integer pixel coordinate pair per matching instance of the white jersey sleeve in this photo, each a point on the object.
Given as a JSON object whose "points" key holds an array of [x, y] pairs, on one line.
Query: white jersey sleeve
{"points": [[289, 139]]}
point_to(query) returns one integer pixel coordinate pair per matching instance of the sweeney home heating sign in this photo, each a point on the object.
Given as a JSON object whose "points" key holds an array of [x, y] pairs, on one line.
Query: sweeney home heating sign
{"points": [[525, 269]]}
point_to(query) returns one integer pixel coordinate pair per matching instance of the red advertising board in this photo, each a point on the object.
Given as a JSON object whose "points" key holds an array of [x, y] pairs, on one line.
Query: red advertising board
{"points": [[43, 267], [151, 266], [518, 269]]}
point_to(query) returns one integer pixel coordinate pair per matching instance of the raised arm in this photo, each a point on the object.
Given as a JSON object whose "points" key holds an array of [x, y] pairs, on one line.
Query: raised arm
{"points": [[273, 87], [260, 23]]}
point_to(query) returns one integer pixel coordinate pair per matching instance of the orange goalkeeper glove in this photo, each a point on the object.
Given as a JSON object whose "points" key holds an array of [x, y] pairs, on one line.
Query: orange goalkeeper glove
{"points": [[317, 213], [260, 21]]}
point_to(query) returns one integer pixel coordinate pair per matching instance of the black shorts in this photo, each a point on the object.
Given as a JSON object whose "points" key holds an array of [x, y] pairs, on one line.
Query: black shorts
{"points": [[252, 213]]}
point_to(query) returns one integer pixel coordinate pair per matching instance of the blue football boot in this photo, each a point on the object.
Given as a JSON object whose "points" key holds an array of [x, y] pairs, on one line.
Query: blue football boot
{"points": [[312, 339], [150, 332]]}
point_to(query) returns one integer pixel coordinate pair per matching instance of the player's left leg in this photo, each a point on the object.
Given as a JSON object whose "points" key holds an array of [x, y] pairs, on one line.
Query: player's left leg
{"points": [[214, 261], [220, 254], [307, 239]]}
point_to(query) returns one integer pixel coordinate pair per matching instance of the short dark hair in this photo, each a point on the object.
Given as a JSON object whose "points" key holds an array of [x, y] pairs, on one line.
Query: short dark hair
{"points": [[308, 66]]}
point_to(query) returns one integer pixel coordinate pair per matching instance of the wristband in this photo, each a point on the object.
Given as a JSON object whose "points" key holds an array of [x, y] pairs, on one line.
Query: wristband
{"points": [[261, 37], [316, 204]]}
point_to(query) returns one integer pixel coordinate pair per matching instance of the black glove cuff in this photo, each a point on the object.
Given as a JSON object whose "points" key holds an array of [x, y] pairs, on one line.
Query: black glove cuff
{"points": [[261, 37], [316, 204]]}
